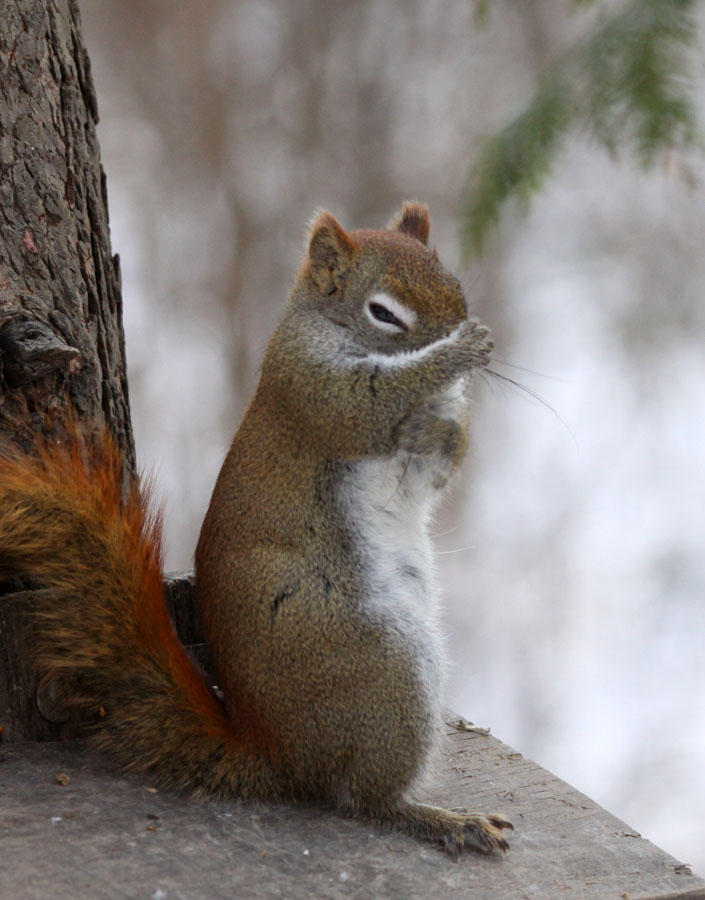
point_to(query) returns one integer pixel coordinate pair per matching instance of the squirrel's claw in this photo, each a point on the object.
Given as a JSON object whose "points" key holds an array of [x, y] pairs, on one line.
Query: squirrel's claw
{"points": [[484, 833]]}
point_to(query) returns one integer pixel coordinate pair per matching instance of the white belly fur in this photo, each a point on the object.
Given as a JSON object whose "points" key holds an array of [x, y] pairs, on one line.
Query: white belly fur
{"points": [[389, 503]]}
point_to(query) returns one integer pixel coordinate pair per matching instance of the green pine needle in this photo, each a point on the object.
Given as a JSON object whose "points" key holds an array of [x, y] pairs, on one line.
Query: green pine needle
{"points": [[625, 85]]}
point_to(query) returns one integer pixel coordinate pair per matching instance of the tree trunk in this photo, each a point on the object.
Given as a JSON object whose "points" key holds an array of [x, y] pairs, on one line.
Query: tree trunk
{"points": [[61, 336]]}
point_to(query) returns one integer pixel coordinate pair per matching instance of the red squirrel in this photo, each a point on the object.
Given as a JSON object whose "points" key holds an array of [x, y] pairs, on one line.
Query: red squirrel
{"points": [[314, 567]]}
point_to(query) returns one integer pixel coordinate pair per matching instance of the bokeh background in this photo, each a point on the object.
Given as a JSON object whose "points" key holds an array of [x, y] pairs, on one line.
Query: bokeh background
{"points": [[573, 548]]}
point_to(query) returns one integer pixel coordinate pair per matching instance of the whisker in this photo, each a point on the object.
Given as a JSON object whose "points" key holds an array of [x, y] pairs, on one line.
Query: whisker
{"points": [[524, 369], [470, 288], [522, 388], [401, 478], [444, 533], [487, 381], [456, 550]]}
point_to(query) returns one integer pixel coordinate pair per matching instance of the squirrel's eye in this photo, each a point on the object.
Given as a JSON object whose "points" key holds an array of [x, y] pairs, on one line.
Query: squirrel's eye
{"points": [[385, 315], [389, 314]]}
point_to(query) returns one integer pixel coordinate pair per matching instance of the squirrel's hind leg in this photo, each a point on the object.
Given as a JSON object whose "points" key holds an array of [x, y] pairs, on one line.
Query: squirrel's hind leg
{"points": [[452, 829]]}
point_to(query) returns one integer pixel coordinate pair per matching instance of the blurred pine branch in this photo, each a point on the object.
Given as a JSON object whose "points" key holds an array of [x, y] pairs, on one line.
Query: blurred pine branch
{"points": [[625, 84], [482, 8]]}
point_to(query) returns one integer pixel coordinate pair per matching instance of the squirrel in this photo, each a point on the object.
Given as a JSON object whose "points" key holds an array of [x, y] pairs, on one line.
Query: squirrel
{"points": [[314, 566]]}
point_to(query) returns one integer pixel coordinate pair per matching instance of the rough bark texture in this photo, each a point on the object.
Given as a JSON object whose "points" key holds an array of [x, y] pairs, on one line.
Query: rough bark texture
{"points": [[61, 337]]}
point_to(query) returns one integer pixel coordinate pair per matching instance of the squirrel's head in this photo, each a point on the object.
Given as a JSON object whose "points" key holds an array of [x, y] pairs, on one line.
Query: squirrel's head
{"points": [[386, 287]]}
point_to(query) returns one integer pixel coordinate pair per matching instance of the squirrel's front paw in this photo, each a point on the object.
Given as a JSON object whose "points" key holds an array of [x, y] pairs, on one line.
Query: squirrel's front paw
{"points": [[476, 343], [422, 433]]}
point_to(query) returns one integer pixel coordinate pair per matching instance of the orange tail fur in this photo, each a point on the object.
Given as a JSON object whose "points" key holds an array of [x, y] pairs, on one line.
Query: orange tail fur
{"points": [[65, 524]]}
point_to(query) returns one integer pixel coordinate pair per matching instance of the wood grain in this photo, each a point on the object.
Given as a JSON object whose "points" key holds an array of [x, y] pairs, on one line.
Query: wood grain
{"points": [[107, 835]]}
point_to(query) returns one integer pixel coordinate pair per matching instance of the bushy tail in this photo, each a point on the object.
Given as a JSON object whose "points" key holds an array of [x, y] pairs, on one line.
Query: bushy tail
{"points": [[65, 524]]}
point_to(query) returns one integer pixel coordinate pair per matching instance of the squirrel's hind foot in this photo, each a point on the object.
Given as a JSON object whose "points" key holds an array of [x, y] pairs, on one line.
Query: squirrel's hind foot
{"points": [[479, 832], [455, 831]]}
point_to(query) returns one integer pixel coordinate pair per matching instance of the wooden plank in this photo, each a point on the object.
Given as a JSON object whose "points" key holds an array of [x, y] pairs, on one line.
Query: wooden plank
{"points": [[29, 709], [106, 835], [20, 716], [15, 708], [99, 830], [564, 841], [180, 594]]}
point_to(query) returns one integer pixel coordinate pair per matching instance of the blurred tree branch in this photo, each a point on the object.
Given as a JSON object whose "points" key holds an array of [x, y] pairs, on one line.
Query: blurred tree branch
{"points": [[624, 84]]}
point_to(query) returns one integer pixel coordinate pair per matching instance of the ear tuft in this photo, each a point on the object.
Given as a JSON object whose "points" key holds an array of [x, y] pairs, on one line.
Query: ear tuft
{"points": [[412, 219], [330, 252]]}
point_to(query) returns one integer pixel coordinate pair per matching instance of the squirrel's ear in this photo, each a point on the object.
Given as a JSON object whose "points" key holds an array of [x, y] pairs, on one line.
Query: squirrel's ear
{"points": [[412, 219], [330, 252]]}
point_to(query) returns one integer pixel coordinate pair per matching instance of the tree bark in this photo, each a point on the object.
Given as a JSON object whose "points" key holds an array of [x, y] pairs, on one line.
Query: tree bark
{"points": [[61, 336], [62, 345]]}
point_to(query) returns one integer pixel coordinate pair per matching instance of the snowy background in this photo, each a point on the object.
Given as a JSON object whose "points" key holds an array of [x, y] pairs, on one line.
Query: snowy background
{"points": [[573, 549]]}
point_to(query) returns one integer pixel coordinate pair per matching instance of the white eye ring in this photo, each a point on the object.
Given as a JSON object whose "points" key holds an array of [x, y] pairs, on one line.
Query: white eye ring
{"points": [[387, 314]]}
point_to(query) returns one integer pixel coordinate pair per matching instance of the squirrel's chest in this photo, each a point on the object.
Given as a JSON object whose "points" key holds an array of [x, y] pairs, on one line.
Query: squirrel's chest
{"points": [[387, 504]]}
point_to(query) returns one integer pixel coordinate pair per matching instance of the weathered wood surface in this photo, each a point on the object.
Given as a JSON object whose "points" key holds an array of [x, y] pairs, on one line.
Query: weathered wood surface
{"points": [[105, 835], [20, 717], [180, 594], [28, 710]]}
